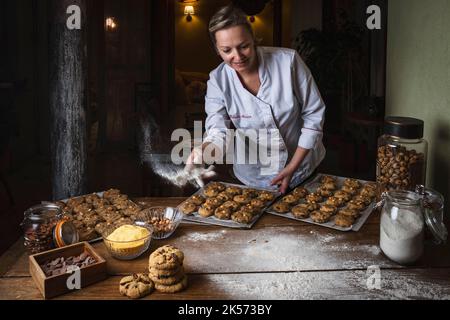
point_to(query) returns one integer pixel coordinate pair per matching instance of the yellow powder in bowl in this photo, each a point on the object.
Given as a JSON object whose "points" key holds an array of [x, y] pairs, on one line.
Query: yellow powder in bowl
{"points": [[128, 237]]}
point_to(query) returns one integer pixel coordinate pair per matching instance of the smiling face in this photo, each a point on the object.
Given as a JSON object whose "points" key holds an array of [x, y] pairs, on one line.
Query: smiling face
{"points": [[236, 47]]}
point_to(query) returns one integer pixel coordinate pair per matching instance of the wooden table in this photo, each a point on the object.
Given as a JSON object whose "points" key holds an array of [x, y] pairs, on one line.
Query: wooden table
{"points": [[278, 258]]}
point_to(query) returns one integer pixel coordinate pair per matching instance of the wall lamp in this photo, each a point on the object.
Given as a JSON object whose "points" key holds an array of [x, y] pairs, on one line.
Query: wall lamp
{"points": [[189, 12], [111, 24]]}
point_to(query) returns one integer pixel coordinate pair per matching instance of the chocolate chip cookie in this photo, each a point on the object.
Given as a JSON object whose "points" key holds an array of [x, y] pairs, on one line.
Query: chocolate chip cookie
{"points": [[136, 286], [320, 216], [281, 207], [174, 287], [166, 257], [300, 211]]}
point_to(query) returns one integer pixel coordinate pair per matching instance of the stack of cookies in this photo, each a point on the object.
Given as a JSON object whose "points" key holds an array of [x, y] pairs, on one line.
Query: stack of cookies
{"points": [[166, 269]]}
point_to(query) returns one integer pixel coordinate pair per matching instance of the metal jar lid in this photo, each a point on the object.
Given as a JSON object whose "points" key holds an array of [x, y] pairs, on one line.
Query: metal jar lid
{"points": [[65, 233], [404, 127], [42, 211]]}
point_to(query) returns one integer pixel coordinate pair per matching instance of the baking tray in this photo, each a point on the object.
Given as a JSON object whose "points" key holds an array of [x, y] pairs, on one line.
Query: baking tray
{"points": [[311, 186], [195, 217], [100, 194]]}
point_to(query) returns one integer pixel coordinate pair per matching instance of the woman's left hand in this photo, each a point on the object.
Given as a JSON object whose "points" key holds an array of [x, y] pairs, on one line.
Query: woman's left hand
{"points": [[283, 178]]}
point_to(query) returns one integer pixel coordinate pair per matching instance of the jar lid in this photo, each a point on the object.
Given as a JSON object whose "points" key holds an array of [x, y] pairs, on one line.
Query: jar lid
{"points": [[436, 227], [42, 211], [404, 127], [65, 233]]}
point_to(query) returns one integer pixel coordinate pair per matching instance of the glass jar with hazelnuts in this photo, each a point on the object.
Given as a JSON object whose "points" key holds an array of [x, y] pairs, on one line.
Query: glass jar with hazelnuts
{"points": [[402, 155]]}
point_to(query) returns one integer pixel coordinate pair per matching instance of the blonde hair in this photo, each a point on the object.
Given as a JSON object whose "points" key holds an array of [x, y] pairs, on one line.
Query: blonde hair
{"points": [[228, 16]]}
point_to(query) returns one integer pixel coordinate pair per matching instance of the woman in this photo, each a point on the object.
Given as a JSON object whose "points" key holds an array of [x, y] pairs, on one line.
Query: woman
{"points": [[261, 88]]}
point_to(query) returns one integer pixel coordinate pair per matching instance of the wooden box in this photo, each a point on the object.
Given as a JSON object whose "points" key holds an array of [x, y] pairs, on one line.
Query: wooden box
{"points": [[57, 285]]}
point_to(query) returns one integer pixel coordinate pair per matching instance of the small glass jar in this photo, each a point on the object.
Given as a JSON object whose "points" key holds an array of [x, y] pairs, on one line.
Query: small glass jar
{"points": [[402, 155], [405, 216], [45, 227]]}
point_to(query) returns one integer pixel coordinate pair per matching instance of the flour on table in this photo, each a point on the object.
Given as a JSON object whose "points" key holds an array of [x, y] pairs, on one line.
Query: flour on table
{"points": [[203, 236]]}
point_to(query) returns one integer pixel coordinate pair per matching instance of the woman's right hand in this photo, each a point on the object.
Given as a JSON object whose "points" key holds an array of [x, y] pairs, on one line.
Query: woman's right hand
{"points": [[195, 159]]}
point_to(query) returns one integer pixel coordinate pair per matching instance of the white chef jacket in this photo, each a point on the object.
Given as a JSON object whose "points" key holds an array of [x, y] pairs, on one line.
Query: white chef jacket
{"points": [[287, 102]]}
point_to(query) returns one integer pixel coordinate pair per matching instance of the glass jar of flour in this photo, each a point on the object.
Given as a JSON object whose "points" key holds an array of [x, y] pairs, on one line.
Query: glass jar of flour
{"points": [[404, 218]]}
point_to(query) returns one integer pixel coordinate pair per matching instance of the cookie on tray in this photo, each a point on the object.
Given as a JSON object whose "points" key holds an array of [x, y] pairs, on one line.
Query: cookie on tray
{"points": [[211, 192], [111, 193], [223, 213], [324, 192], [266, 196], [314, 198], [250, 209], [334, 201], [242, 199], [82, 208], [242, 216], [300, 192], [257, 203], [326, 179], [353, 183], [320, 216], [233, 191], [300, 211], [251, 193], [224, 197], [368, 192], [217, 185], [213, 202], [356, 205], [344, 196], [343, 221], [188, 207], [72, 202], [350, 190], [281, 207], [197, 199], [232, 205], [206, 210], [291, 199], [331, 210], [330, 185], [349, 212], [364, 199]]}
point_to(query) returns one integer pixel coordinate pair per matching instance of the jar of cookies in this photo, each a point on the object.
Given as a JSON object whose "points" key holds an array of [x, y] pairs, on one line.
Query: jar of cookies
{"points": [[402, 155], [45, 227]]}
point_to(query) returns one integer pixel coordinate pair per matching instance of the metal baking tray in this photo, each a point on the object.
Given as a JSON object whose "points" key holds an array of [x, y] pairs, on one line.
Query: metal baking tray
{"points": [[195, 217], [312, 186], [100, 194]]}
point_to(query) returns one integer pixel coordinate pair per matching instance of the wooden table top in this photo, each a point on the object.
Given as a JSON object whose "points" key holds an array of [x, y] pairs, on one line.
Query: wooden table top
{"points": [[278, 258]]}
